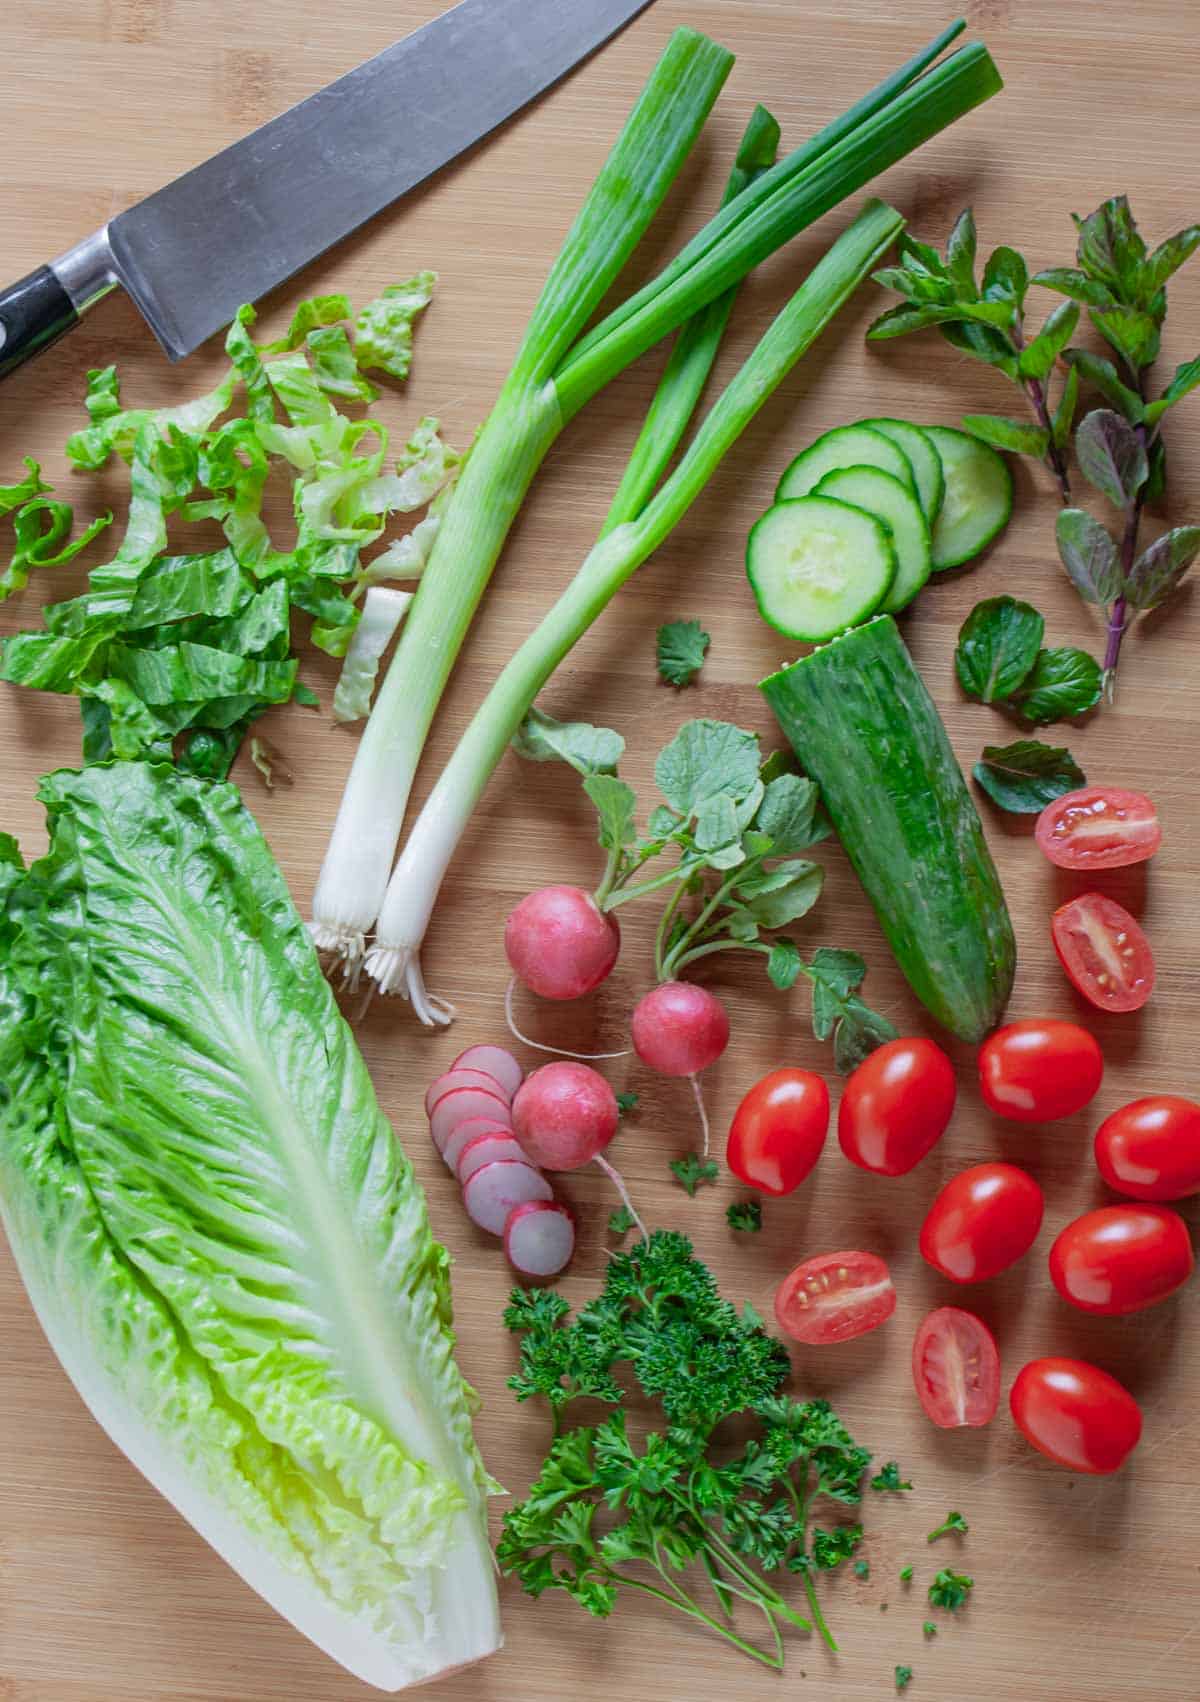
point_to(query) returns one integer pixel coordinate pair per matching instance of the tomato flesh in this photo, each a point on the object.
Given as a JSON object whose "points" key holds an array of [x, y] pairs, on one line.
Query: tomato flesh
{"points": [[1076, 1414], [983, 1221], [956, 1369], [834, 1297], [778, 1131], [1105, 954], [1122, 1259], [1150, 1149], [1099, 827], [896, 1106], [1033, 1072]]}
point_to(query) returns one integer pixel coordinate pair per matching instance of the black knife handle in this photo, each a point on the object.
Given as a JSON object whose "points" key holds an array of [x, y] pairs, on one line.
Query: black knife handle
{"points": [[33, 314]]}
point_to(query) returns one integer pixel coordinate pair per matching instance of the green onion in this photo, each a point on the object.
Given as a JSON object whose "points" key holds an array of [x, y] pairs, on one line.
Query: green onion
{"points": [[394, 959]]}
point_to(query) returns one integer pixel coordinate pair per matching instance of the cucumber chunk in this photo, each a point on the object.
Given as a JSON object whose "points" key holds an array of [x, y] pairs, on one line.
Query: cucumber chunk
{"points": [[818, 566], [846, 446], [893, 503], [916, 444], [978, 499]]}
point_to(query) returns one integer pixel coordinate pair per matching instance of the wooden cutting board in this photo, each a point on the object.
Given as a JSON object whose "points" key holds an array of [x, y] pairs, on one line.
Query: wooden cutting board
{"points": [[1086, 1590]]}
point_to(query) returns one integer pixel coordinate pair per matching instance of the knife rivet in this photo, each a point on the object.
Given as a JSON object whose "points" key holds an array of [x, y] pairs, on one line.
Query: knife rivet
{"points": [[3, 333]]}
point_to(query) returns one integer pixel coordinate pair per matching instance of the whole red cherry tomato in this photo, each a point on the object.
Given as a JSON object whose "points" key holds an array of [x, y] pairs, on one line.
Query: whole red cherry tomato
{"points": [[896, 1106], [778, 1131], [1122, 1258], [1033, 1072], [1099, 827], [1076, 1414], [956, 1368], [834, 1297], [983, 1221], [1104, 952], [1150, 1150]]}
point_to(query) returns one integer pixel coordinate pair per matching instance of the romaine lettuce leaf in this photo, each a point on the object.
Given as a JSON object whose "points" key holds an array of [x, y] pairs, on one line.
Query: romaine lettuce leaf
{"points": [[383, 331], [222, 1238]]}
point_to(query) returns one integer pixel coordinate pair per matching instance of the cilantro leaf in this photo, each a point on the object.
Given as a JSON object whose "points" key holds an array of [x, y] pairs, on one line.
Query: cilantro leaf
{"points": [[590, 750], [745, 1216], [950, 1589], [680, 648], [1026, 776], [691, 1171], [889, 1479], [903, 1677], [952, 1522]]}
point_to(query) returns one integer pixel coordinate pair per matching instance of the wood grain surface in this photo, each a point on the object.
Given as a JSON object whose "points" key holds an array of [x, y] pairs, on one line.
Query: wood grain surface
{"points": [[1086, 1590]]}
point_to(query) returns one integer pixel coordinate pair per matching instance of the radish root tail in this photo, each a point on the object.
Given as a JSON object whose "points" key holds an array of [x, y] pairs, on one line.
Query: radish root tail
{"points": [[698, 1095], [618, 1182], [558, 1051]]}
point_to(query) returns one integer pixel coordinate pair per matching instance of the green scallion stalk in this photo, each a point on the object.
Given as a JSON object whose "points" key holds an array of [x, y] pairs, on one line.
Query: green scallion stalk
{"points": [[394, 960]]}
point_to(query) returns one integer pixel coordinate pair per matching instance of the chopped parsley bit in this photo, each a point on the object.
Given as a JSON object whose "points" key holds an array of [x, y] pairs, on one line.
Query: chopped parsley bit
{"points": [[889, 1479], [681, 648], [745, 1215], [690, 1171], [862, 1569], [950, 1589], [903, 1677], [906, 1573], [626, 1102], [929, 1628], [621, 1221], [952, 1522]]}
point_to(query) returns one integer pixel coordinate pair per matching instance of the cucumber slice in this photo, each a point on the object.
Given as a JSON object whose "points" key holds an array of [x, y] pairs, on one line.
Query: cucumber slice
{"points": [[922, 457], [978, 499], [893, 503], [846, 446], [818, 566]]}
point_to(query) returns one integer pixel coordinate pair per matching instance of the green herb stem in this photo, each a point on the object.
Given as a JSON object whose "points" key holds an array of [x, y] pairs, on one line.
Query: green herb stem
{"points": [[1035, 390]]}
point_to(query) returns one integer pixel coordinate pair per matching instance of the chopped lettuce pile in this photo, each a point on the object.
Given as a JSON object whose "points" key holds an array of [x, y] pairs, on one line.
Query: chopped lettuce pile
{"points": [[222, 1239], [171, 654]]}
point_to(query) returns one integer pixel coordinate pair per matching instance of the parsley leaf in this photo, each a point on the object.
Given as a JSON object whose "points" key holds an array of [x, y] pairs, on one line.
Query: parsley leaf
{"points": [[690, 1171], [929, 1628], [831, 1548], [950, 1589], [906, 1573], [626, 1102], [903, 1677], [889, 1479], [621, 1221], [745, 1215], [862, 1568], [681, 647], [952, 1522]]}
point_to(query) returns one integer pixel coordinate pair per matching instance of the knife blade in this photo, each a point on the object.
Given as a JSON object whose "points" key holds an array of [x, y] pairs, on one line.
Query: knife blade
{"points": [[232, 229]]}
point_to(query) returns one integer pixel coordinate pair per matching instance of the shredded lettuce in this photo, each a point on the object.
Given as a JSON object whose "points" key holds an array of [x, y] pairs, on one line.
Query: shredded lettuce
{"points": [[384, 328]]}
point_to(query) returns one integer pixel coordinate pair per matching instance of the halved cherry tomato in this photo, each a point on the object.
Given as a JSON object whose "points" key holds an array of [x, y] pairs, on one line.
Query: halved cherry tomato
{"points": [[1122, 1258], [956, 1369], [896, 1106], [834, 1297], [1033, 1072], [1076, 1414], [983, 1221], [1105, 954], [778, 1131], [1150, 1150], [1099, 827]]}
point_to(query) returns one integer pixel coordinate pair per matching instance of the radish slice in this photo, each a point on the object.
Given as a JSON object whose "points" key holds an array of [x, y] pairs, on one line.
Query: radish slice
{"points": [[492, 1193], [461, 1078], [459, 1104], [489, 1146], [494, 1061], [539, 1238], [464, 1134]]}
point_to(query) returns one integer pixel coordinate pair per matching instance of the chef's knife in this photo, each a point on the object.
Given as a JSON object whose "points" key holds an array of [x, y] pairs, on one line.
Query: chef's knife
{"points": [[233, 228]]}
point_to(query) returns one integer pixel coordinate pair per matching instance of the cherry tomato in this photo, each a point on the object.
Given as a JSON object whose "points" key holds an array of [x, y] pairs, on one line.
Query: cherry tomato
{"points": [[1033, 1072], [834, 1297], [1151, 1149], [983, 1221], [778, 1131], [1100, 827], [956, 1369], [896, 1106], [1076, 1414], [1122, 1258], [1105, 954]]}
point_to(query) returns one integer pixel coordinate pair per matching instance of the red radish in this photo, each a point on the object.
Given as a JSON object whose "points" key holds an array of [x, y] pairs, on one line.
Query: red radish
{"points": [[539, 1238], [489, 1146], [462, 1078], [493, 1192], [461, 1103], [679, 1029], [463, 1134], [564, 1115], [494, 1061], [560, 943]]}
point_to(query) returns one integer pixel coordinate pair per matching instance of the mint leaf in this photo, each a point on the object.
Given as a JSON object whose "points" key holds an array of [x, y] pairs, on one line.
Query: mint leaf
{"points": [[1064, 414], [691, 1171], [1103, 375], [1026, 776], [1019, 437], [706, 758], [1168, 257], [1111, 456], [1037, 358], [960, 255], [1089, 555], [681, 648], [997, 646], [1068, 281], [745, 1216], [984, 343], [1187, 376], [1109, 248], [590, 750], [1159, 569], [1006, 278], [1064, 682], [1134, 334], [615, 805]]}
